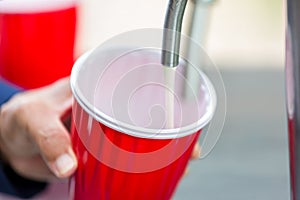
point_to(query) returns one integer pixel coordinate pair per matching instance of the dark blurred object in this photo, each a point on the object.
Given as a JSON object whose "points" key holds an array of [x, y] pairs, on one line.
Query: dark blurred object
{"points": [[293, 92]]}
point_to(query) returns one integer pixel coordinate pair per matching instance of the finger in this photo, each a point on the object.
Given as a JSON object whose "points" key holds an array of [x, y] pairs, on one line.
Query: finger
{"points": [[60, 95], [186, 172], [61, 98], [32, 168], [196, 152], [54, 143]]}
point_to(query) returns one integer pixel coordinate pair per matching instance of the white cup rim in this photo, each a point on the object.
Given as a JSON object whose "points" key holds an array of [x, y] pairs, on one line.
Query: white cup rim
{"points": [[33, 6]]}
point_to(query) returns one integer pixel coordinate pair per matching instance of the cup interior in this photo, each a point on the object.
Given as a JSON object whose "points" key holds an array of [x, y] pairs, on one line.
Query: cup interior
{"points": [[125, 89]]}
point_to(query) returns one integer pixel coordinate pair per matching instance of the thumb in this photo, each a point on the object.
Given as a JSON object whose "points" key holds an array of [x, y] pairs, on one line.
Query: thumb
{"points": [[54, 144]]}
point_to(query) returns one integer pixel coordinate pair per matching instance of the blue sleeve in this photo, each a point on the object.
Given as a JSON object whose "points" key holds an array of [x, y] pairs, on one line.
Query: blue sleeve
{"points": [[6, 91], [13, 184], [10, 182]]}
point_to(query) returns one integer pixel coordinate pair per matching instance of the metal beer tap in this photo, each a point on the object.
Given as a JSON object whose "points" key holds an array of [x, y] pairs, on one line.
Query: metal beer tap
{"points": [[173, 25]]}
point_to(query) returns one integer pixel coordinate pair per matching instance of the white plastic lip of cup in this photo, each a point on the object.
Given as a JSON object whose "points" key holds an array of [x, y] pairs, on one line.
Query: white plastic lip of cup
{"points": [[32, 6], [134, 130]]}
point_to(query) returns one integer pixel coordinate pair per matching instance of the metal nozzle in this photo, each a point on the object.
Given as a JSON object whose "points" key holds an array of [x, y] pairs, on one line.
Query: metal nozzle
{"points": [[172, 31]]}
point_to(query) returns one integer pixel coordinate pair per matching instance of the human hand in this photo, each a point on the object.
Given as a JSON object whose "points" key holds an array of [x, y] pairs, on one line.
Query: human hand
{"points": [[33, 139], [196, 152], [195, 155]]}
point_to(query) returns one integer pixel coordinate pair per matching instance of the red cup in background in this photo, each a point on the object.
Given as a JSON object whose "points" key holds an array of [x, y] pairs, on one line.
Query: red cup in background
{"points": [[36, 41], [119, 129]]}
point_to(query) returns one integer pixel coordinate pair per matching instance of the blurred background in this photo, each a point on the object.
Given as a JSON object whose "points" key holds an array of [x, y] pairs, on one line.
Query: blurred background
{"points": [[246, 40], [240, 34]]}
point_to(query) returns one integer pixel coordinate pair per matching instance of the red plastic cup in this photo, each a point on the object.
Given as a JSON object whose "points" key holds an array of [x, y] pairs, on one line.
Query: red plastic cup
{"points": [[119, 129], [36, 41]]}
